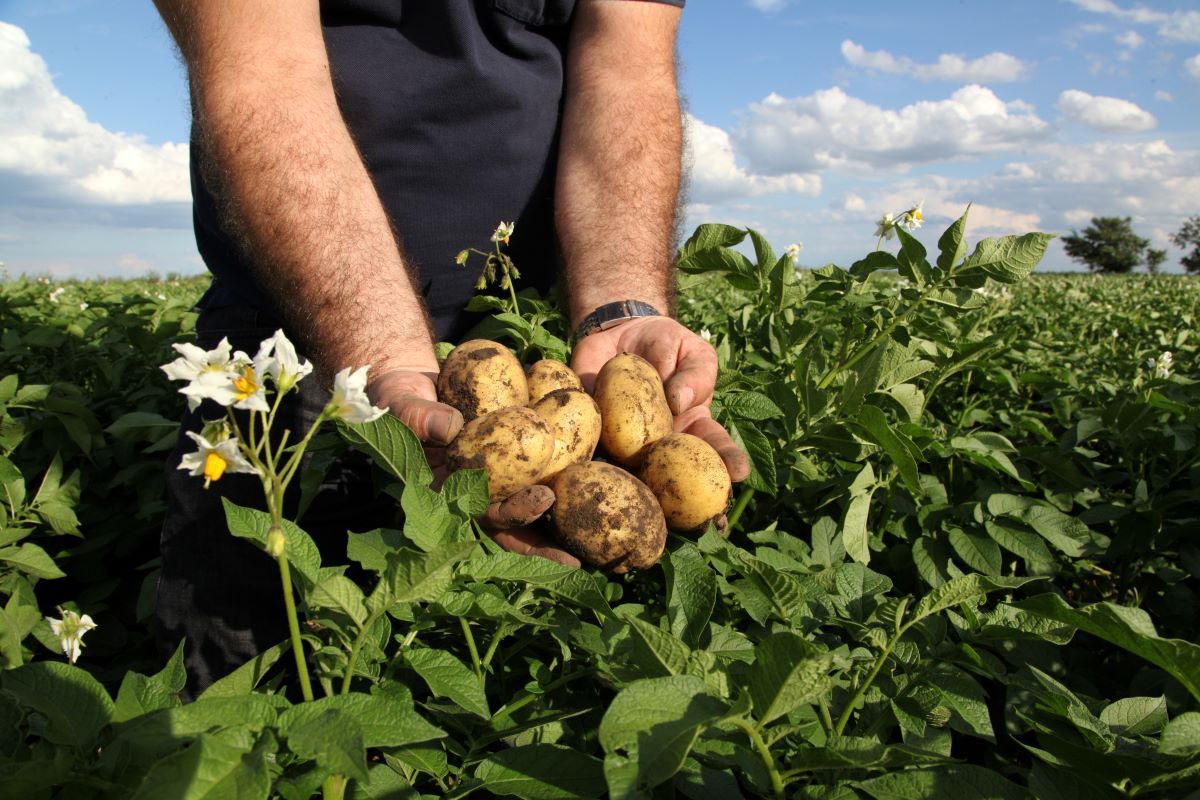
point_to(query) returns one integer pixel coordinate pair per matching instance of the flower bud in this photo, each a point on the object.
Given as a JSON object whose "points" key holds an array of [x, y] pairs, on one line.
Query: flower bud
{"points": [[276, 543]]}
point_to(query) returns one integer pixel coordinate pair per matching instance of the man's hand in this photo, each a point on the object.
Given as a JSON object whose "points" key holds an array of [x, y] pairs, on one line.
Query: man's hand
{"points": [[411, 396], [686, 363]]}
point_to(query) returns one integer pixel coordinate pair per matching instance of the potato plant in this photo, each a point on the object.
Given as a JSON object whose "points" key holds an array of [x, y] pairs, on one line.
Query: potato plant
{"points": [[964, 566]]}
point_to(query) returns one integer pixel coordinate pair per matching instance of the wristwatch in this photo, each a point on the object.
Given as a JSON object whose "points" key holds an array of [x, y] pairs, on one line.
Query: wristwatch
{"points": [[610, 314]]}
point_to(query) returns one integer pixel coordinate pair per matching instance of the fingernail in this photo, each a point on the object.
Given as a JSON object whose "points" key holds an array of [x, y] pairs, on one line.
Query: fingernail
{"points": [[683, 399], [444, 426]]}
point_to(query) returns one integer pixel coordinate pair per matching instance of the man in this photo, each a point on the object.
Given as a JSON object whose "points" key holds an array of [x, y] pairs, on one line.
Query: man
{"points": [[344, 152]]}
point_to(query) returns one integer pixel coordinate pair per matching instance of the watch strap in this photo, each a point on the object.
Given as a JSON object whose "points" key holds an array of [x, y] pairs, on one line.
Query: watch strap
{"points": [[610, 314]]}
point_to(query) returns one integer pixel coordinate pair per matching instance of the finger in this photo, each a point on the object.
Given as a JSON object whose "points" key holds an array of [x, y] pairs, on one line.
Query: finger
{"points": [[694, 379], [521, 509], [436, 456], [528, 542], [432, 422], [698, 421], [662, 351], [590, 354]]}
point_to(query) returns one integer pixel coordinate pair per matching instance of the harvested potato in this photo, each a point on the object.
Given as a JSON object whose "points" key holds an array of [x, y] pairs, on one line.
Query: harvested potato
{"points": [[608, 518], [633, 407], [689, 479], [514, 445], [574, 421], [547, 375], [479, 377]]}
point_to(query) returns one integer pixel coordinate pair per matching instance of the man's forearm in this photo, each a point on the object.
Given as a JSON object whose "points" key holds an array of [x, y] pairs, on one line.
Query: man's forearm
{"points": [[296, 191], [620, 156]]}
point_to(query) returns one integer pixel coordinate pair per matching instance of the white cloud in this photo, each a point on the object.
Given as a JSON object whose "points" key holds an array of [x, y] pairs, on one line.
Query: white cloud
{"points": [[1180, 26], [1105, 113], [1130, 40], [768, 5], [715, 173], [1192, 65], [830, 129], [1164, 96], [48, 141], [991, 68]]}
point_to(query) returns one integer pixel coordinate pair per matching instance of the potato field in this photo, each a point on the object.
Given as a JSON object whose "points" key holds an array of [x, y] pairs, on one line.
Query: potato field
{"points": [[966, 563]]}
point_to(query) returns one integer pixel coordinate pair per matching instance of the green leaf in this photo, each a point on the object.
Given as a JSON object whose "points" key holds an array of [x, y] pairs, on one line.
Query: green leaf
{"points": [[371, 549], [140, 694], [572, 584], [542, 772], [75, 705], [384, 719], [211, 768], [339, 593], [788, 671], [1129, 628], [962, 589], [243, 679], [976, 550], [656, 652], [446, 676], [957, 780], [691, 592], [855, 583], [649, 729], [391, 444], [763, 253], [423, 577], [383, 783], [1136, 716], [334, 740], [750, 406], [13, 484], [1181, 736], [709, 236], [1008, 259], [427, 518], [762, 455], [302, 553], [875, 425], [912, 263], [855, 536], [32, 560], [952, 245], [1063, 702], [467, 490]]}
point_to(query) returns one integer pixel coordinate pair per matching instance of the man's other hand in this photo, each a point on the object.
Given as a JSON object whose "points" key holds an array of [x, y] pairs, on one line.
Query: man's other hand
{"points": [[686, 363]]}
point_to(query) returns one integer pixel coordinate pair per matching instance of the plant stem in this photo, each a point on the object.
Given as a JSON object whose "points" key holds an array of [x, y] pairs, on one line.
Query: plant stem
{"points": [[738, 507], [507, 711], [356, 648], [466, 629], [334, 787], [844, 717], [289, 602], [764, 752]]}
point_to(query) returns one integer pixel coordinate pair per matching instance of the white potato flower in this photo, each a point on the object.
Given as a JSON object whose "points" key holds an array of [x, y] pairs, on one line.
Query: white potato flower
{"points": [[214, 460], [1164, 365], [277, 357], [503, 231], [793, 251], [913, 218], [194, 362], [885, 227], [69, 631], [349, 401]]}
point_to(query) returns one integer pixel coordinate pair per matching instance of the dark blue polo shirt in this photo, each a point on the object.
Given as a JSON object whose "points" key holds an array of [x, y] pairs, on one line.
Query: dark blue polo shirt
{"points": [[455, 107]]}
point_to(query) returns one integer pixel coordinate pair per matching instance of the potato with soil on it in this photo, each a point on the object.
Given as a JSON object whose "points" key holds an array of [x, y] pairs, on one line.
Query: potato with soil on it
{"points": [[633, 408], [514, 445], [689, 479], [481, 376], [574, 421], [607, 517], [547, 375]]}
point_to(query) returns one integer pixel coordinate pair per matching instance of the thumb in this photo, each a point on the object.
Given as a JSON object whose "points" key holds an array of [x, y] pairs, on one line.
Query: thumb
{"points": [[431, 421]]}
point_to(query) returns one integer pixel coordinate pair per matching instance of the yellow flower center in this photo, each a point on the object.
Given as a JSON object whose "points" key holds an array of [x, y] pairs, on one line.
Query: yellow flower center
{"points": [[245, 385], [916, 214], [214, 466]]}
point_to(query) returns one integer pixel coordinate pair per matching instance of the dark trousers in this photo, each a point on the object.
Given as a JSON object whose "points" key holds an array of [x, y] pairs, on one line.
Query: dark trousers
{"points": [[222, 594]]}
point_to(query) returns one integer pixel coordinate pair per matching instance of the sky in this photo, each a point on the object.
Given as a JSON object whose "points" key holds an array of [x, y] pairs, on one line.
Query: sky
{"points": [[805, 121]]}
